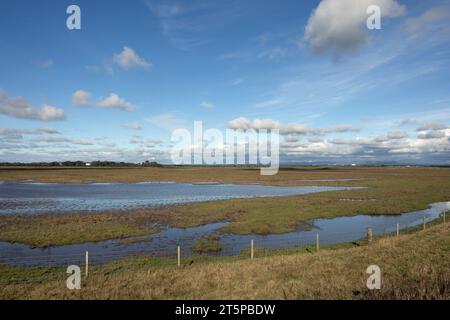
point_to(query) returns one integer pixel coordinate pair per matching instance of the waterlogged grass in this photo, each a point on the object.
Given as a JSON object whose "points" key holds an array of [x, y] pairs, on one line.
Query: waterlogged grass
{"points": [[413, 265], [391, 190], [207, 245], [48, 230]]}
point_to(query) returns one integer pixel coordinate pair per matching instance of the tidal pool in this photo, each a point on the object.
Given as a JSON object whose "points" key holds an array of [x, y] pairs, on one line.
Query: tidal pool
{"points": [[164, 243], [29, 198]]}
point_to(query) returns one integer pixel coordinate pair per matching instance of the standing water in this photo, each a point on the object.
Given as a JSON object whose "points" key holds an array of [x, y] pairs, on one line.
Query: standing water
{"points": [[29, 198], [164, 243]]}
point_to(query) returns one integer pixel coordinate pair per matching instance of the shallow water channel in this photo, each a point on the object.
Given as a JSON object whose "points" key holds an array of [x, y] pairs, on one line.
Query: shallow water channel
{"points": [[164, 243]]}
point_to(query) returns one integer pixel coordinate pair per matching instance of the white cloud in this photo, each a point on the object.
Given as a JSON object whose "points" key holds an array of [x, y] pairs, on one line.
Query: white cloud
{"points": [[46, 130], [239, 123], [378, 149], [393, 135], [128, 59], [11, 134], [16, 134], [407, 122], [133, 126], [431, 135], [166, 121], [61, 139], [289, 128], [206, 104], [81, 142], [113, 101], [339, 26], [19, 107], [52, 139], [81, 98], [432, 126], [146, 143]]}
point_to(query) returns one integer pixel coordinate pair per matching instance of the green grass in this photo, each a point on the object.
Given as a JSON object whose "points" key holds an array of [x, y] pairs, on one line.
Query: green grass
{"points": [[207, 245], [49, 230]]}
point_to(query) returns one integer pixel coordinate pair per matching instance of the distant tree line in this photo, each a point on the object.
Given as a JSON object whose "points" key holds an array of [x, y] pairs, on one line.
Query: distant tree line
{"points": [[81, 164]]}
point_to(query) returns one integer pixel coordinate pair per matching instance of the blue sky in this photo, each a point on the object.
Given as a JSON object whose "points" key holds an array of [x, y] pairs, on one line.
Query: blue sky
{"points": [[114, 90]]}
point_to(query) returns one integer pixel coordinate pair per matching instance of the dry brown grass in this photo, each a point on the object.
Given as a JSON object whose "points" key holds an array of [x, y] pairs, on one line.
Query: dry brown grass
{"points": [[414, 266], [286, 176]]}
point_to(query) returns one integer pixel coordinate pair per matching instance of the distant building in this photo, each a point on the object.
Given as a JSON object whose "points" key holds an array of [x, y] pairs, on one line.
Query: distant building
{"points": [[87, 164]]}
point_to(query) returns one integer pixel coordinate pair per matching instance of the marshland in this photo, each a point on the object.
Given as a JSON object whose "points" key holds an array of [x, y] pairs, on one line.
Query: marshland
{"points": [[286, 270]]}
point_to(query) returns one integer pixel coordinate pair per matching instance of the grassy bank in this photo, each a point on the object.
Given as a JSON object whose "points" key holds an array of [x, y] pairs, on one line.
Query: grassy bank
{"points": [[413, 266], [48, 230], [391, 191]]}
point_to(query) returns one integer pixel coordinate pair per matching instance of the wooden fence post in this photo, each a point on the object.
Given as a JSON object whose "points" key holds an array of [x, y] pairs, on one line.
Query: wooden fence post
{"points": [[423, 223], [87, 263], [369, 234], [317, 243], [398, 229], [444, 217], [251, 249], [179, 256]]}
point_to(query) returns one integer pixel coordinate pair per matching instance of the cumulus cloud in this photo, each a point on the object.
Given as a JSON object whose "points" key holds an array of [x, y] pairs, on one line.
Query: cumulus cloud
{"points": [[19, 107], [133, 126], [431, 135], [81, 98], [239, 123], [286, 129], [392, 135], [367, 149], [432, 126], [129, 59], [433, 130], [302, 143], [113, 101], [340, 26]]}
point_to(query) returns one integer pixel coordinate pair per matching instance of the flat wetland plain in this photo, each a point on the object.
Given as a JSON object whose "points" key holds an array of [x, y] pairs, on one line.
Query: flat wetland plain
{"points": [[414, 265]]}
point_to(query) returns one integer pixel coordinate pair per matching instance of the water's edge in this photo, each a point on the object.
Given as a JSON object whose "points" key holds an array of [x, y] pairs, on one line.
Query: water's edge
{"points": [[163, 244], [44, 198]]}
